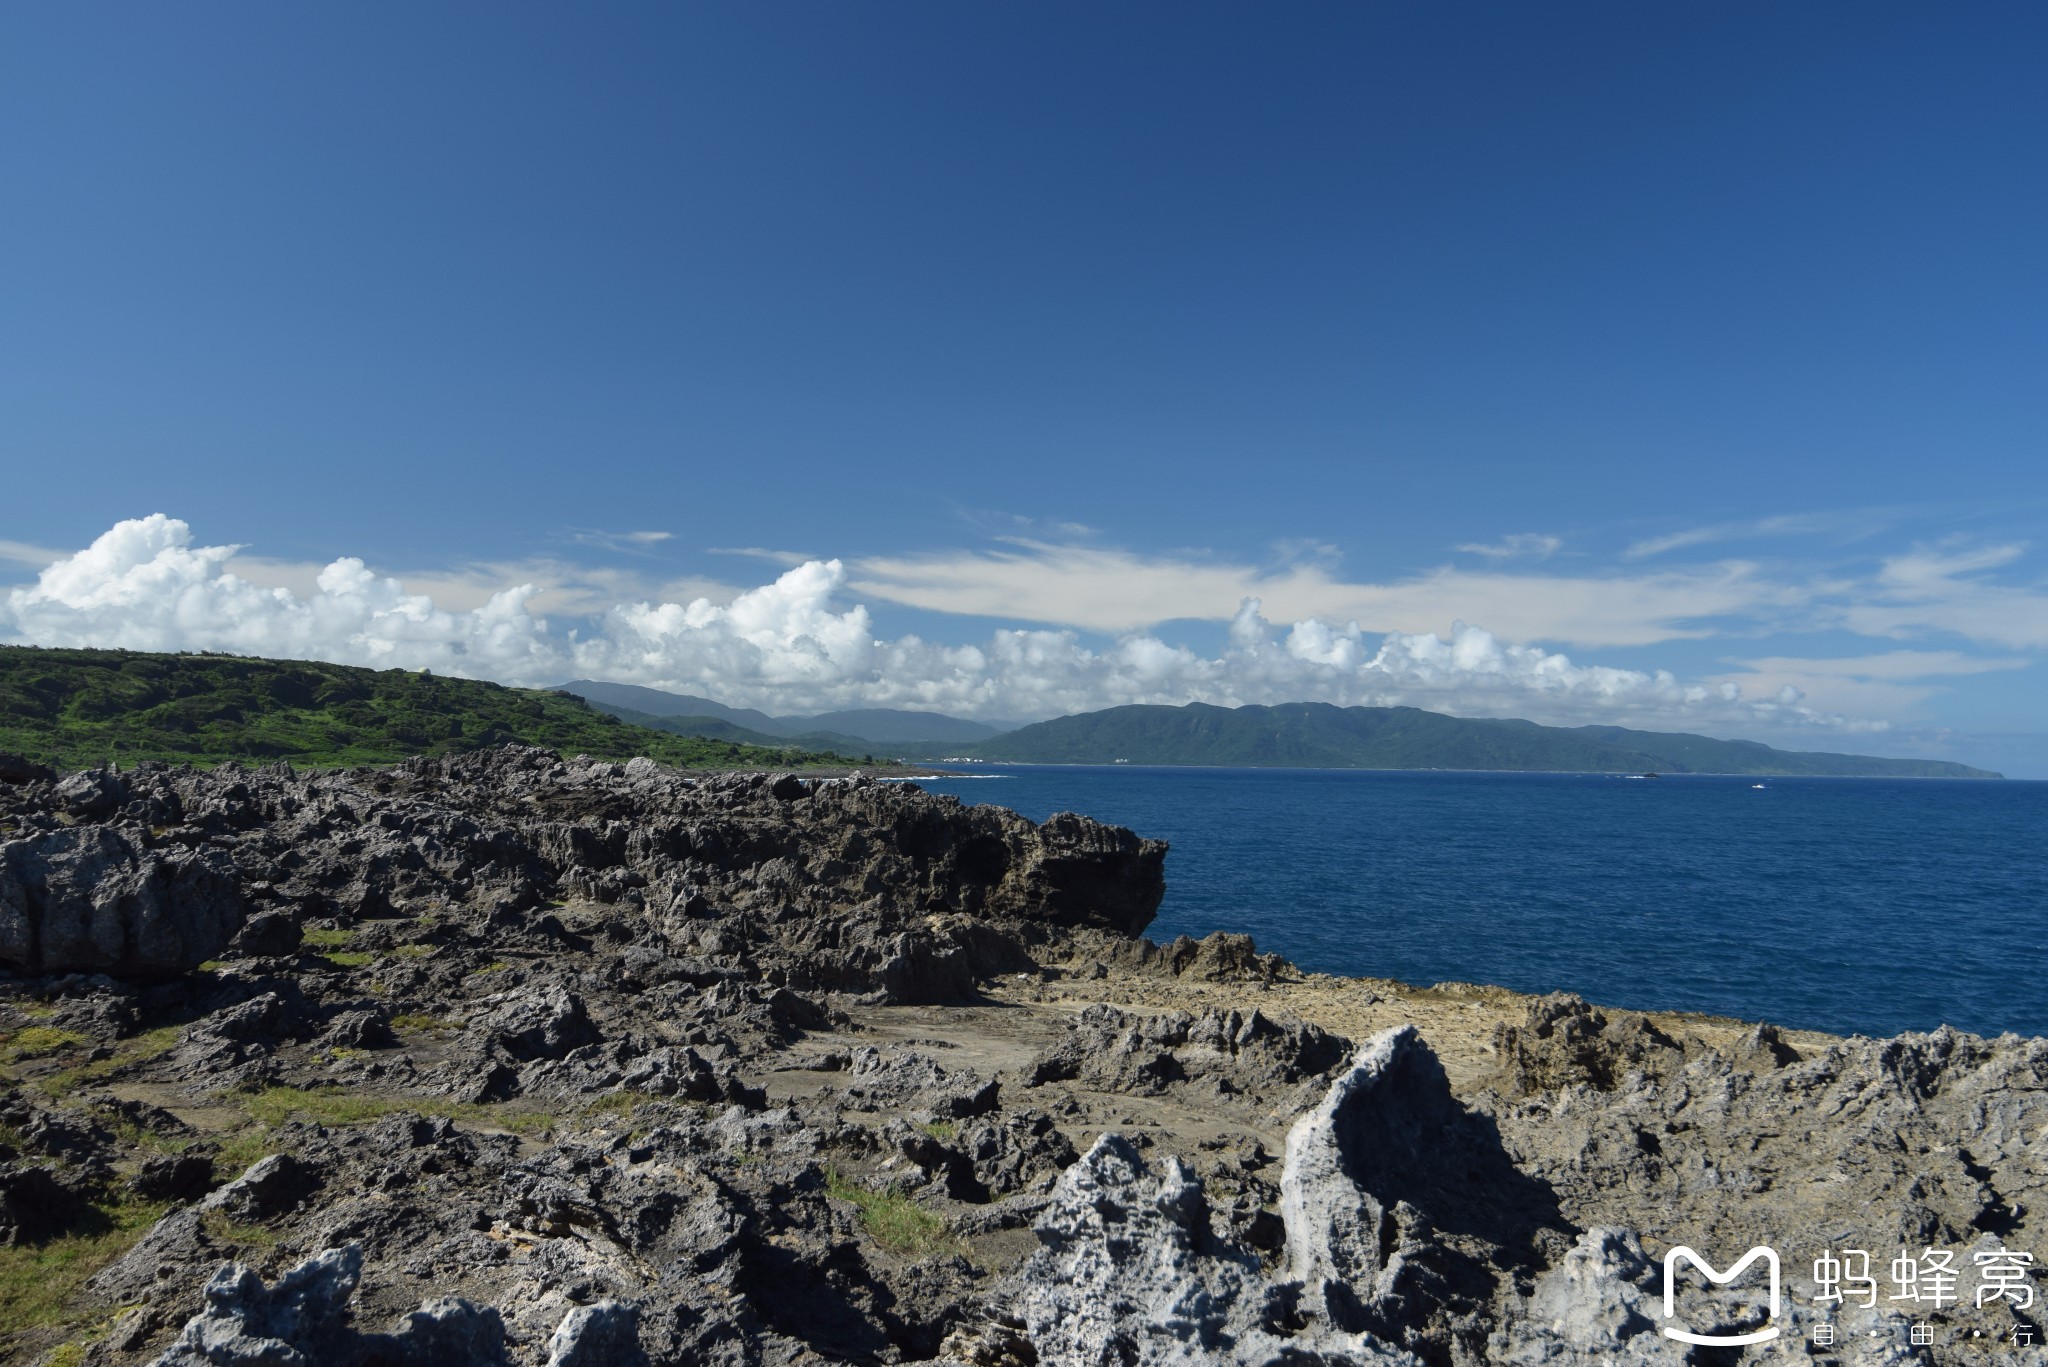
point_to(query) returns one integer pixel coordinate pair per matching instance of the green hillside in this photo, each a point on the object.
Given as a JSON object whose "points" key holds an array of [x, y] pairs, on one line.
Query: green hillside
{"points": [[1319, 735], [78, 707]]}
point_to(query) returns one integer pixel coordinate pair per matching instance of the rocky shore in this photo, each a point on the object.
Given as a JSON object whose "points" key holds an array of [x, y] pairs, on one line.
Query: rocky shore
{"points": [[519, 1059]]}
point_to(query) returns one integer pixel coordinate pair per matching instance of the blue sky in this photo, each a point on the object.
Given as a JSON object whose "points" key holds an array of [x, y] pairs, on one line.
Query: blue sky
{"points": [[1691, 356]]}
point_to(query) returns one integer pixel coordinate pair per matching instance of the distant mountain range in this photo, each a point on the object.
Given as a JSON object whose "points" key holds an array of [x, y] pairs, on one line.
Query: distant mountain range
{"points": [[695, 716], [1318, 735], [1297, 735], [72, 707]]}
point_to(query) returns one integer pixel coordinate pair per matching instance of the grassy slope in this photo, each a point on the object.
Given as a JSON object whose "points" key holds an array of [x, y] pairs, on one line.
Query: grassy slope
{"points": [[78, 707], [1318, 734]]}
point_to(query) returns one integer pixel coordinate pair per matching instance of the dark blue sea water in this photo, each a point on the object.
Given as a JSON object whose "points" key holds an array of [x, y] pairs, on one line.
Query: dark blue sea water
{"points": [[1851, 905]]}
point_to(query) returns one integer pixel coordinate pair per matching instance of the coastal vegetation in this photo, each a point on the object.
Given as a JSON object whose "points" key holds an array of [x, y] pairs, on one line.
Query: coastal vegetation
{"points": [[72, 708]]}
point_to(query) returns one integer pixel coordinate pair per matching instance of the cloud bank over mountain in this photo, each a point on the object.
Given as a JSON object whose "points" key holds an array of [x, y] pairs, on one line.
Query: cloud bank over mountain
{"points": [[793, 645]]}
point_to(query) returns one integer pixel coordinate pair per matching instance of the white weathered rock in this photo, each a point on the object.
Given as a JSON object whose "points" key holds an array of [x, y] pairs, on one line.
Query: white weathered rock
{"points": [[1344, 1245], [1593, 1307], [1132, 1273]]}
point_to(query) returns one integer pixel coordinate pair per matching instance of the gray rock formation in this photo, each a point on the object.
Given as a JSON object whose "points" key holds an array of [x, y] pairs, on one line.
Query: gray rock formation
{"points": [[1131, 1273], [302, 1321], [845, 887], [1221, 1051], [603, 1335], [1382, 1261], [100, 899]]}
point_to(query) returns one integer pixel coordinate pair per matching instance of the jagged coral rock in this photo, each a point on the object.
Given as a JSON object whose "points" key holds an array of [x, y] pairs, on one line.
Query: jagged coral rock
{"points": [[302, 1321], [97, 898]]}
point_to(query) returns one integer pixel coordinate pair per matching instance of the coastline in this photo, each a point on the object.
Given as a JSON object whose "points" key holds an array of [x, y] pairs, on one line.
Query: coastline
{"points": [[1433, 769], [757, 1068]]}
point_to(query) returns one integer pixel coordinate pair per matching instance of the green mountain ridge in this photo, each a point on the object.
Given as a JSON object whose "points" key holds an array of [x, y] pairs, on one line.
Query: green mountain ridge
{"points": [[1321, 735], [72, 708]]}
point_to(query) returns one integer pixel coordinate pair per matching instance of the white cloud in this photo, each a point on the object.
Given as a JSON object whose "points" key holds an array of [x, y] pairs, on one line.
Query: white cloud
{"points": [[555, 586], [1532, 545], [26, 553], [1790, 524], [1115, 591], [1893, 664], [636, 542], [773, 557], [144, 586], [790, 646], [1933, 589], [1891, 684]]}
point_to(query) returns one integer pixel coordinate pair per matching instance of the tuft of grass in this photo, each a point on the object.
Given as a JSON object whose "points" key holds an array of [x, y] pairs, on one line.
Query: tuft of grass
{"points": [[273, 1106], [237, 1152], [38, 1041], [322, 938], [348, 958], [213, 965], [416, 1020], [414, 951], [36, 1011], [893, 1220], [132, 1133], [128, 1052], [619, 1104], [494, 966], [938, 1129], [39, 1281]]}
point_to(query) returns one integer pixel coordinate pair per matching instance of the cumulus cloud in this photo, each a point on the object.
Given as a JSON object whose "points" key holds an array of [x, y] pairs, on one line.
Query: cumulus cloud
{"points": [[558, 586], [143, 585], [793, 646]]}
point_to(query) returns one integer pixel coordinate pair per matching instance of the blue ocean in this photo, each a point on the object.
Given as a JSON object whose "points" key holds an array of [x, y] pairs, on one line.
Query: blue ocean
{"points": [[1851, 905]]}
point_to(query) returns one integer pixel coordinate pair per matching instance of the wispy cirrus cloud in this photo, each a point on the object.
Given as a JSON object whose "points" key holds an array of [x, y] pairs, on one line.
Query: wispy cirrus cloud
{"points": [[773, 557], [1789, 524], [631, 542], [1890, 684], [1892, 664], [1104, 589], [1519, 546], [28, 554], [1945, 589]]}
